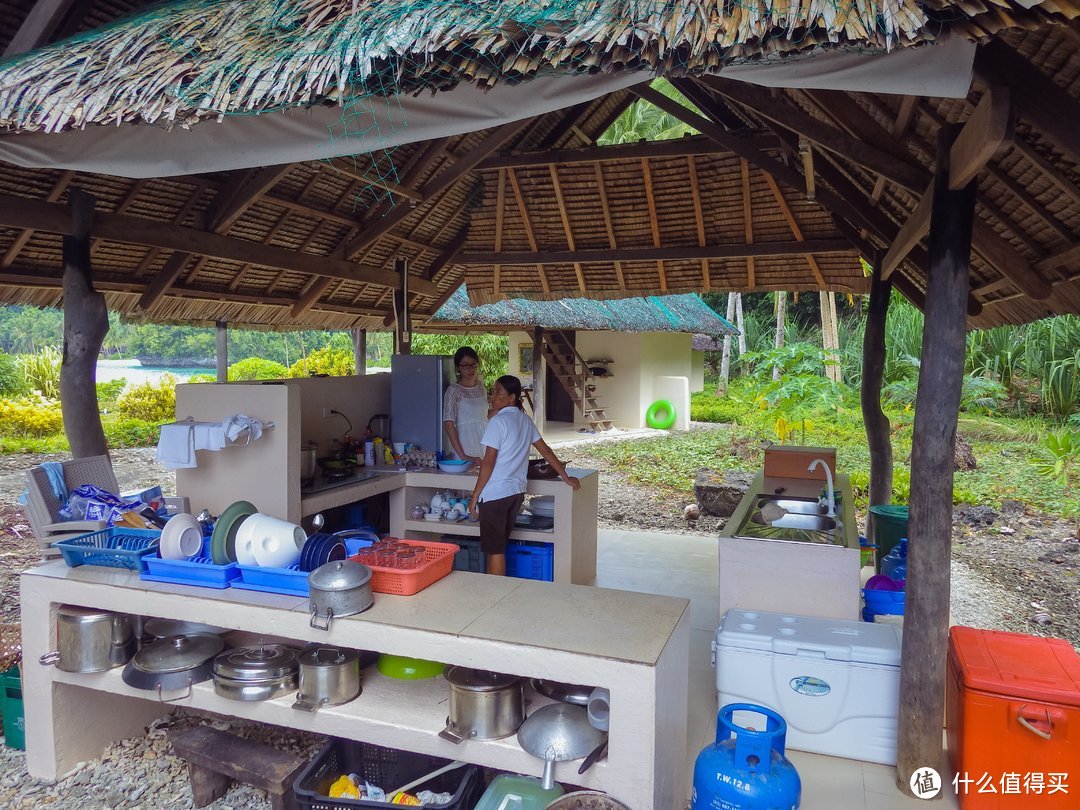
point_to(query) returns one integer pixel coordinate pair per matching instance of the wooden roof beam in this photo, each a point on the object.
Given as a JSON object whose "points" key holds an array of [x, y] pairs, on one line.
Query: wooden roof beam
{"points": [[699, 220], [37, 29], [988, 128], [1048, 169], [530, 234], [609, 227], [1038, 99], [654, 223], [1068, 256], [748, 221], [647, 254], [500, 212], [796, 231], [564, 215], [311, 295], [20, 240], [22, 212]]}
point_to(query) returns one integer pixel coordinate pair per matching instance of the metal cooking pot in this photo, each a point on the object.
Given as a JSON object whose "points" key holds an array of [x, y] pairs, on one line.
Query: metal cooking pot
{"points": [[483, 705], [173, 663], [309, 464], [339, 588], [329, 676], [91, 640], [256, 673], [556, 733]]}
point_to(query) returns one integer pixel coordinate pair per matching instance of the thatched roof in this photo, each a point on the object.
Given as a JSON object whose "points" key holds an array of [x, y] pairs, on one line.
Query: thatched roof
{"points": [[201, 59], [533, 208], [657, 313]]}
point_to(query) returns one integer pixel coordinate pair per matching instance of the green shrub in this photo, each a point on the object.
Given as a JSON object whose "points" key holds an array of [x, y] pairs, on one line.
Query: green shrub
{"points": [[255, 368], [12, 381], [42, 371], [129, 432], [109, 392], [151, 402], [707, 407], [335, 362], [31, 415]]}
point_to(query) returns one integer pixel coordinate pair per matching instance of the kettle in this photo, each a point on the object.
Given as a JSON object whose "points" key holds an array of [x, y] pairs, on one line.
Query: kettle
{"points": [[379, 425]]}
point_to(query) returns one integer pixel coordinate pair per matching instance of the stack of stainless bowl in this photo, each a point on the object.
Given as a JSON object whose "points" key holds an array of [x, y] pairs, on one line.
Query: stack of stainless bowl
{"points": [[257, 673]]}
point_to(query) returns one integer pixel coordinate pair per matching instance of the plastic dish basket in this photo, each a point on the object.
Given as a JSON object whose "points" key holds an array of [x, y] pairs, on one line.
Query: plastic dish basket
{"points": [[114, 547], [438, 562], [386, 767]]}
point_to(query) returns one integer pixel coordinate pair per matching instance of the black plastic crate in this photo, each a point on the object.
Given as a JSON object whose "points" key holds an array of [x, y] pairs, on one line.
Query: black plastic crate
{"points": [[386, 767]]}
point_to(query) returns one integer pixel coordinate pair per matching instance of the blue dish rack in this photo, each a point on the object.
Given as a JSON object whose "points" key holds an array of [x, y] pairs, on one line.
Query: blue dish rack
{"points": [[114, 547], [289, 581], [199, 571]]}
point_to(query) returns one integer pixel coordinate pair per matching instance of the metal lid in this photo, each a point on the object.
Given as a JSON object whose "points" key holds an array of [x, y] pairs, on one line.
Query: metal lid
{"points": [[479, 680], [327, 656], [258, 663], [74, 614], [177, 653], [339, 575]]}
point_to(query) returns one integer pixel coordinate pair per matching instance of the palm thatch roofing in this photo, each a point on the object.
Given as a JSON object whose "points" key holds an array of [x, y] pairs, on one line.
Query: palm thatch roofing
{"points": [[666, 313], [532, 208]]}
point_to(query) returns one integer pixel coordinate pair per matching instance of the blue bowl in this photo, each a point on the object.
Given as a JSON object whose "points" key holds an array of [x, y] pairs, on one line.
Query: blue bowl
{"points": [[884, 601]]}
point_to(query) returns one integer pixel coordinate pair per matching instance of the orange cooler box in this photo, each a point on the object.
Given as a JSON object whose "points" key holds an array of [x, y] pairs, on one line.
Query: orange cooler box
{"points": [[1012, 719]]}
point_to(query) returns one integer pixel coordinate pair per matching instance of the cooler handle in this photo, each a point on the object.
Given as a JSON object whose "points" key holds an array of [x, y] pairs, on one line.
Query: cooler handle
{"points": [[1029, 724]]}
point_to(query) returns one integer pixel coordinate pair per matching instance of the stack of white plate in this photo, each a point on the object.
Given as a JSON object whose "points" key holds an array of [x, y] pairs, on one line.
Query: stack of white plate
{"points": [[543, 506]]}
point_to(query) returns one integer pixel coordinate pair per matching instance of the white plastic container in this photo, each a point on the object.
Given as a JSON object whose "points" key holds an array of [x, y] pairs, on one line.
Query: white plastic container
{"points": [[836, 683]]}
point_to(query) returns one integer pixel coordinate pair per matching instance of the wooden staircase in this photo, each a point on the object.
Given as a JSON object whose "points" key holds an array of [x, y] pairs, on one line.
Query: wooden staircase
{"points": [[570, 369]]}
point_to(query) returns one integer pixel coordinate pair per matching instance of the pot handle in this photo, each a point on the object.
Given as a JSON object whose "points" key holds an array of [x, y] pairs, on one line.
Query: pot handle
{"points": [[48, 658], [315, 617], [450, 734], [304, 704], [175, 699], [548, 780]]}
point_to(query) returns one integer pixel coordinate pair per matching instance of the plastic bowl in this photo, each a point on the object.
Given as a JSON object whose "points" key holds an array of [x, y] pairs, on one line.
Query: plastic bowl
{"points": [[409, 669], [454, 465], [881, 582], [884, 601]]}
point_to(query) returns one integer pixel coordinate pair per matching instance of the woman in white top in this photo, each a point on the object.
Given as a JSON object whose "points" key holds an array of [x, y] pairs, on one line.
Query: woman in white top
{"points": [[500, 486], [465, 407]]}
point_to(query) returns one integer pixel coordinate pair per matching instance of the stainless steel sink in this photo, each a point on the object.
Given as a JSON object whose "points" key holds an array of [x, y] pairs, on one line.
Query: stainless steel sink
{"points": [[799, 519], [801, 506], [793, 520]]}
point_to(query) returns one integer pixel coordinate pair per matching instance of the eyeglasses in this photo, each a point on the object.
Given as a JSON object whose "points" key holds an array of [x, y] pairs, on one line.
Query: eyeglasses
{"points": [[467, 365]]}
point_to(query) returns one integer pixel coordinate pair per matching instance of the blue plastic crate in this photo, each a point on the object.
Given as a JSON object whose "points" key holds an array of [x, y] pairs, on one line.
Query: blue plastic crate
{"points": [[200, 571], [289, 581], [469, 556], [528, 560], [114, 547]]}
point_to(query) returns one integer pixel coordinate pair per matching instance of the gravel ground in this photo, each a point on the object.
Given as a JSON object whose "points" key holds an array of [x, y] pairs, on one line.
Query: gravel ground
{"points": [[1013, 571]]}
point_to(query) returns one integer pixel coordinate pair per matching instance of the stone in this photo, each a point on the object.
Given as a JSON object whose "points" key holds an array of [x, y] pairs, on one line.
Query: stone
{"points": [[718, 493], [963, 455]]}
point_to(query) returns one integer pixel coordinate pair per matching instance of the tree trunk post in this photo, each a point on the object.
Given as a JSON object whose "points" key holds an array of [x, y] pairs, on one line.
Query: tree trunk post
{"points": [[359, 347], [222, 355], [86, 322], [781, 317], [739, 324], [877, 423], [538, 377], [937, 405], [725, 360]]}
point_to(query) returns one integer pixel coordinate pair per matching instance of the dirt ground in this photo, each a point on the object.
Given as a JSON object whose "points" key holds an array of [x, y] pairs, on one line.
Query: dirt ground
{"points": [[1012, 570]]}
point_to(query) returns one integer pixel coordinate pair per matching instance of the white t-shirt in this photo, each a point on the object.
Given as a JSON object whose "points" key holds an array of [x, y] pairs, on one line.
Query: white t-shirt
{"points": [[512, 433], [467, 408]]}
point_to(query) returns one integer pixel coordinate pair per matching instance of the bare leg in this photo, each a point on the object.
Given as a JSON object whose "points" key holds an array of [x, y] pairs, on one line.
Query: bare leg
{"points": [[496, 564]]}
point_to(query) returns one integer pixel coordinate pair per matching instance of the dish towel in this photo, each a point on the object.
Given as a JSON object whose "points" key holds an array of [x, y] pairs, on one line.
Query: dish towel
{"points": [[238, 423], [209, 435], [176, 446]]}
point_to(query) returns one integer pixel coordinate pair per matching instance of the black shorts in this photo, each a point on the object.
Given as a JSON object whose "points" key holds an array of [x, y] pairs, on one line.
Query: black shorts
{"points": [[497, 521]]}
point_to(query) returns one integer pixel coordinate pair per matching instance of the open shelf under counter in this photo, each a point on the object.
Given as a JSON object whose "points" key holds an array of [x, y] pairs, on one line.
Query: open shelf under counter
{"points": [[470, 529]]}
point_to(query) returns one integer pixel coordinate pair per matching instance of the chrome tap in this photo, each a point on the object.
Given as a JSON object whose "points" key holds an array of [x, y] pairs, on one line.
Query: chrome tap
{"points": [[829, 483]]}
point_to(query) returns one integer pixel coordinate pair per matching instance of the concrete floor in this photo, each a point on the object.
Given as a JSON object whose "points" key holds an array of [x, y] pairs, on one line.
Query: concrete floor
{"points": [[688, 567]]}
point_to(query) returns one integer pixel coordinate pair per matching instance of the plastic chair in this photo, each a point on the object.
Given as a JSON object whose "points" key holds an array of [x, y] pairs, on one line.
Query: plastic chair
{"points": [[43, 506]]}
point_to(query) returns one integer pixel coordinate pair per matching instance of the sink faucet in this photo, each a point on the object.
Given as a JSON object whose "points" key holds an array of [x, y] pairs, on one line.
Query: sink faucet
{"points": [[829, 483]]}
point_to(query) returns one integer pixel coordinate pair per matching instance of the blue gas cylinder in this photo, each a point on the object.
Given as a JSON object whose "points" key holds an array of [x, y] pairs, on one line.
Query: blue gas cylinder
{"points": [[745, 769]]}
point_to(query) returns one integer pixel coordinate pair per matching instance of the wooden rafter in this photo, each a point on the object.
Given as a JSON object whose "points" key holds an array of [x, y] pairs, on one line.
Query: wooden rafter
{"points": [[911, 233], [796, 231], [43, 19], [609, 227], [699, 219], [519, 198], [905, 116], [654, 223], [20, 240], [500, 208], [988, 128], [668, 253], [748, 222], [376, 182], [564, 214], [1048, 169]]}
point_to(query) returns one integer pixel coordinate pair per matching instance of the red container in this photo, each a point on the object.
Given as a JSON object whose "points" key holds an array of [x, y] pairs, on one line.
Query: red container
{"points": [[1012, 720]]}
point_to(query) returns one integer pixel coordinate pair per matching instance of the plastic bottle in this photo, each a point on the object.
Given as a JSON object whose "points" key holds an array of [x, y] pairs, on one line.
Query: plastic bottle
{"points": [[369, 453], [894, 564]]}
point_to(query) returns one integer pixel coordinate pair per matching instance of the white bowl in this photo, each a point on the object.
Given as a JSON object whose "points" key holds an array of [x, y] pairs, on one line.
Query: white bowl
{"points": [[245, 537], [433, 516], [181, 538], [274, 543]]}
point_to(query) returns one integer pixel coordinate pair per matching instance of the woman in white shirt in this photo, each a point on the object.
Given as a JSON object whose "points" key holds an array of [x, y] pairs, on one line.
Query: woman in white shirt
{"points": [[465, 407], [500, 486]]}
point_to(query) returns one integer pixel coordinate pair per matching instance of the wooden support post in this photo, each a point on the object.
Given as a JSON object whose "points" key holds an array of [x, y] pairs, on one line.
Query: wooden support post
{"points": [[86, 322], [402, 329], [222, 358], [359, 347], [538, 393], [877, 423], [937, 404]]}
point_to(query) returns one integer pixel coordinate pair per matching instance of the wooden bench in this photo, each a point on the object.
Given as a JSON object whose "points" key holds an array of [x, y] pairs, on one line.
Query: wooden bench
{"points": [[216, 759]]}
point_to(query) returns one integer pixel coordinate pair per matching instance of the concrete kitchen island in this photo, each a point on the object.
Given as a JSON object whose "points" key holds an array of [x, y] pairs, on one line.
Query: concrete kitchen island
{"points": [[636, 645]]}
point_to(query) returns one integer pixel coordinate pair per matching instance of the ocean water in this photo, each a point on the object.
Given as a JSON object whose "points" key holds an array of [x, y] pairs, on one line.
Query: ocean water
{"points": [[137, 374]]}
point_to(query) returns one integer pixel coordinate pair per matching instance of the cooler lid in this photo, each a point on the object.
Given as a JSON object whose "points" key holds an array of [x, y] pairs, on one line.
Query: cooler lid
{"points": [[811, 637], [1016, 665]]}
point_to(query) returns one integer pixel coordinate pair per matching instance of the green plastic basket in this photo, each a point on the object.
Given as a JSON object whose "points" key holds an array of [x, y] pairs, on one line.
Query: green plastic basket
{"points": [[11, 708]]}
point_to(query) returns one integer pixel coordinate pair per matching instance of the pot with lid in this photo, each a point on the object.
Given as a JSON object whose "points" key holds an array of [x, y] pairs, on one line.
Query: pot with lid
{"points": [[91, 640], [329, 676], [257, 673], [173, 662], [339, 588], [483, 705]]}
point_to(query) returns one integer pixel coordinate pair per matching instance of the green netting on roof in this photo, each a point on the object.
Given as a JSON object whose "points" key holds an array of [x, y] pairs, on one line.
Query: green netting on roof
{"points": [[657, 313]]}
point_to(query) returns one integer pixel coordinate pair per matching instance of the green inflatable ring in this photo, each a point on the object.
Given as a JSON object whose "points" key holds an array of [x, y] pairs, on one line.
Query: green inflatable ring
{"points": [[661, 415]]}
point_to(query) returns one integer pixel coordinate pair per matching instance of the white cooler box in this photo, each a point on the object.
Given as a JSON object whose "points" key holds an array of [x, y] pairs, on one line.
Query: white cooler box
{"points": [[835, 682]]}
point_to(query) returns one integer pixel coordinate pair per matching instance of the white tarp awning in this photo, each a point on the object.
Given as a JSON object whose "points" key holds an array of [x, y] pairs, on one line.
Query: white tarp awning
{"points": [[375, 123]]}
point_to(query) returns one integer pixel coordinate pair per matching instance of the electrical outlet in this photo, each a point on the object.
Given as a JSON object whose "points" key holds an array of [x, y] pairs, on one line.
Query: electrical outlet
{"points": [[327, 413]]}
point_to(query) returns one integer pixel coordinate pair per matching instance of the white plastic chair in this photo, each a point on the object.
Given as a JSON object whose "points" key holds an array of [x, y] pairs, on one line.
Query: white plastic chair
{"points": [[43, 505]]}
